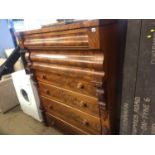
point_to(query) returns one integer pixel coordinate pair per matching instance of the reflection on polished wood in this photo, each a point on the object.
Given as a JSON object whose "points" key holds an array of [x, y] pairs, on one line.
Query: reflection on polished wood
{"points": [[75, 66]]}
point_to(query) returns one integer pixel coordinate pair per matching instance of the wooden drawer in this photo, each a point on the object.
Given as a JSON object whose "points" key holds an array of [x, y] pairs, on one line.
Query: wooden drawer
{"points": [[67, 83], [80, 119], [85, 38], [89, 75], [64, 126], [87, 59], [76, 100]]}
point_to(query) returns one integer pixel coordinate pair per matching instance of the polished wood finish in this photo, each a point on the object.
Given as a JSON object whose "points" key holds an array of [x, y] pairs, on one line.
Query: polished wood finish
{"points": [[70, 83], [77, 59], [79, 25], [73, 99], [64, 126], [80, 38], [86, 122], [74, 72], [75, 66]]}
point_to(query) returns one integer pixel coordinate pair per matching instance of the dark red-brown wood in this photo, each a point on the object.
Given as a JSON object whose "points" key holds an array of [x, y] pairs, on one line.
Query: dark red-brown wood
{"points": [[75, 66]]}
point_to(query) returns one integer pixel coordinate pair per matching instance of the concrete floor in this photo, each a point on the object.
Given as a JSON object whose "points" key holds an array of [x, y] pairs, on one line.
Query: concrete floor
{"points": [[15, 122]]}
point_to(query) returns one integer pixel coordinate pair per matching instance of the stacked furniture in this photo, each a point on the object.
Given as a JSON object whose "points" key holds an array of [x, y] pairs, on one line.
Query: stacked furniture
{"points": [[75, 67]]}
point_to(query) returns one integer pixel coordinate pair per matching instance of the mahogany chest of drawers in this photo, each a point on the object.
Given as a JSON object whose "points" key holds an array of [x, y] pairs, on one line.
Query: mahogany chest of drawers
{"points": [[75, 67]]}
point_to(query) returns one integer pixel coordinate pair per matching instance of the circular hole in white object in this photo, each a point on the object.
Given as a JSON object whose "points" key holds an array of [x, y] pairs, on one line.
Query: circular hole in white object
{"points": [[25, 95]]}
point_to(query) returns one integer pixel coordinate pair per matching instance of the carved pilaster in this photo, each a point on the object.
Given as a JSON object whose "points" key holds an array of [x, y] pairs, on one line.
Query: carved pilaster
{"points": [[103, 107]]}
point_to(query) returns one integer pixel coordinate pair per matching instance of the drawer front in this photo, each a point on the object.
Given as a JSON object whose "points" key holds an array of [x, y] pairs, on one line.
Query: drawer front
{"points": [[76, 100], [84, 59], [86, 122], [89, 75], [67, 83], [64, 126], [86, 38]]}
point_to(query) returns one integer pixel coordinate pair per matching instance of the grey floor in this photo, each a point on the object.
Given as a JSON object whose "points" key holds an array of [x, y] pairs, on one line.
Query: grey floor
{"points": [[15, 122]]}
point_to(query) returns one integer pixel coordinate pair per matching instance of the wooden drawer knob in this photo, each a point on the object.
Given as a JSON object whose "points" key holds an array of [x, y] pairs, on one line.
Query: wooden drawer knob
{"points": [[43, 77], [85, 122], [80, 85], [83, 104], [47, 91]]}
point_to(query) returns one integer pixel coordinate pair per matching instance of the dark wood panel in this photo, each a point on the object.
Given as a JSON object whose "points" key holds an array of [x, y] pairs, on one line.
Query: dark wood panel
{"points": [[86, 122], [86, 38], [78, 39], [74, 72], [64, 126], [111, 43], [73, 84], [93, 61], [76, 100]]}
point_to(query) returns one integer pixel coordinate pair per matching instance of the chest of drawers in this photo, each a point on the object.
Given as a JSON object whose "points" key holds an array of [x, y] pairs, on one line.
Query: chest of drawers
{"points": [[75, 68]]}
